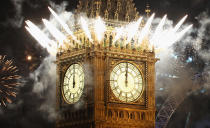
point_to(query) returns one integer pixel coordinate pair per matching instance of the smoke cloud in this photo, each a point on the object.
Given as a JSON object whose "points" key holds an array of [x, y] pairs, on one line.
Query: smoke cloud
{"points": [[17, 20], [187, 60], [45, 85]]}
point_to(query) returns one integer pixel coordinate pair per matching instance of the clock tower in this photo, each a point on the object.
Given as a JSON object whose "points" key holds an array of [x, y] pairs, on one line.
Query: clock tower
{"points": [[106, 84]]}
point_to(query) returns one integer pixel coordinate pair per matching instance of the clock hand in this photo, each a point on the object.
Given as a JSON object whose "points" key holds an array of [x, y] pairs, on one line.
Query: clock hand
{"points": [[74, 78], [126, 76]]}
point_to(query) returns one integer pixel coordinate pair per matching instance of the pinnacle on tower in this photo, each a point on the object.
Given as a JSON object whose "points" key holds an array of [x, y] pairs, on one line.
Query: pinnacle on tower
{"points": [[148, 10]]}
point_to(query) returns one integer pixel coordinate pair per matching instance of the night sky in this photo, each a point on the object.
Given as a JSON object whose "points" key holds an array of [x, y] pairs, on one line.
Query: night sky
{"points": [[17, 43]]}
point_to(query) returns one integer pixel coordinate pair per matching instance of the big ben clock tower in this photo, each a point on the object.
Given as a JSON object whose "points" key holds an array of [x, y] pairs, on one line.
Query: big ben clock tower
{"points": [[105, 84]]}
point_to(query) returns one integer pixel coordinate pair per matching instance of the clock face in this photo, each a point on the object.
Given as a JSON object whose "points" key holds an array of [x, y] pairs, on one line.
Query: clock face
{"points": [[126, 82], [73, 84]]}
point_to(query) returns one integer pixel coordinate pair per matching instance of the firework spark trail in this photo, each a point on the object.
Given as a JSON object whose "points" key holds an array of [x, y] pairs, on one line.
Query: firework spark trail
{"points": [[35, 31], [132, 29], [182, 33], [99, 28], [119, 33], [146, 29], [45, 42], [40, 40], [64, 25], [55, 32], [161, 38], [158, 31], [179, 24], [84, 26], [169, 36], [8, 80]]}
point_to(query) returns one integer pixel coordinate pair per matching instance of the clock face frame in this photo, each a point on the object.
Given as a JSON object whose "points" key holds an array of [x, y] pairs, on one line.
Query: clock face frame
{"points": [[126, 82], [73, 83]]}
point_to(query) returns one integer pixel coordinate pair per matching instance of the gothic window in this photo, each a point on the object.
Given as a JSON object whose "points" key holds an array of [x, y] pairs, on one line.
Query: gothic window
{"points": [[106, 14], [110, 40], [105, 38], [116, 15], [116, 114], [110, 113], [132, 43], [84, 40], [132, 116], [121, 114], [127, 18], [127, 115], [118, 6], [127, 7], [143, 116], [87, 5], [108, 5], [136, 16]]}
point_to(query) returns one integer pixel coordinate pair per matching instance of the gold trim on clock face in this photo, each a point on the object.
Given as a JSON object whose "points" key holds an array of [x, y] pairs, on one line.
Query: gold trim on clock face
{"points": [[73, 84], [126, 82]]}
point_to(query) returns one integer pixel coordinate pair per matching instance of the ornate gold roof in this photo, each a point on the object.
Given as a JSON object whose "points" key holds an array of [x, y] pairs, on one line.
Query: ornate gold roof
{"points": [[122, 10]]}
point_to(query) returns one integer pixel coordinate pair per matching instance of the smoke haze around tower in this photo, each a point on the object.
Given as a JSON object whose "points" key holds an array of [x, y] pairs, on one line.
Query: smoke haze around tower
{"points": [[187, 59]]}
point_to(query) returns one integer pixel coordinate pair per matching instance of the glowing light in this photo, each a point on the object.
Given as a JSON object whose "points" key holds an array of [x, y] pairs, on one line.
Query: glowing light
{"points": [[84, 26], [64, 25], [99, 28], [161, 89], [189, 60], [55, 32], [145, 30], [29, 57]]}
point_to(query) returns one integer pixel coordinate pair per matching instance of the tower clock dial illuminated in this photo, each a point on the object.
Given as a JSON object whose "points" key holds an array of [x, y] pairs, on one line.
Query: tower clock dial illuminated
{"points": [[73, 84], [126, 82]]}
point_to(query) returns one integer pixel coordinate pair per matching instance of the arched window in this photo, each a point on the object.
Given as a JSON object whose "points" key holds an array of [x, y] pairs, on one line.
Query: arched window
{"points": [[116, 16], [132, 116], [110, 40], [116, 114], [121, 115], [138, 116], [143, 116], [106, 14], [105, 38], [109, 113]]}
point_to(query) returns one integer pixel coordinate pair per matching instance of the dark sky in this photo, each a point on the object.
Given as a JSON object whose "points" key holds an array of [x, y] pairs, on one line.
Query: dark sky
{"points": [[16, 43]]}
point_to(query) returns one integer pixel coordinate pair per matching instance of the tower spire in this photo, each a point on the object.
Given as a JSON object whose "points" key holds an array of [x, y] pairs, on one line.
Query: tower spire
{"points": [[147, 10]]}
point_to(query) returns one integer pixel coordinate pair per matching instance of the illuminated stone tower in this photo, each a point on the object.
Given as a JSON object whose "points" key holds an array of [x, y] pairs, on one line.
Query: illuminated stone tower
{"points": [[106, 84]]}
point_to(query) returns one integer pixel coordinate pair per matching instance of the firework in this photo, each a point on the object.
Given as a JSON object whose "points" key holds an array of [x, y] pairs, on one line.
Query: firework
{"points": [[64, 25], [135, 33], [85, 28], [100, 28], [8, 80]]}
